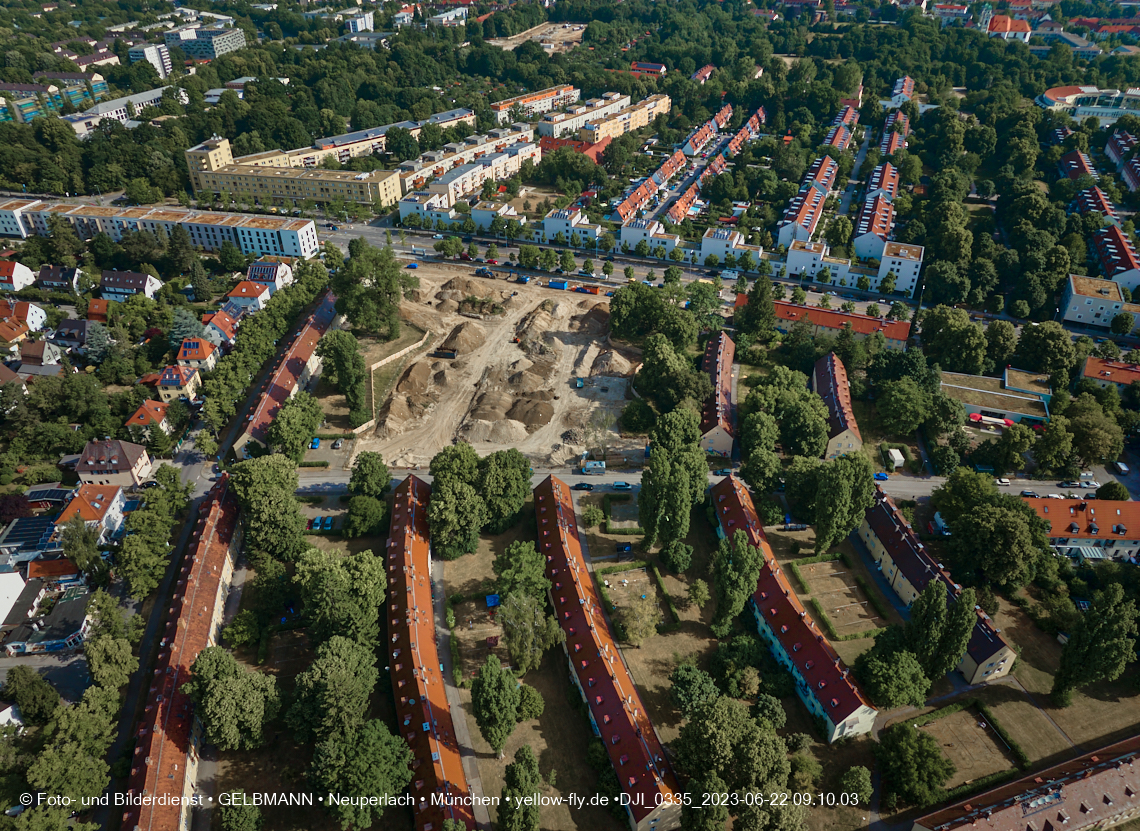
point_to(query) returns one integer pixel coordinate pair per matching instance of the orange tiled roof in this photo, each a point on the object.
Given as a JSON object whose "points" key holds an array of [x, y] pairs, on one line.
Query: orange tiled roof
{"points": [[90, 503], [151, 412]]}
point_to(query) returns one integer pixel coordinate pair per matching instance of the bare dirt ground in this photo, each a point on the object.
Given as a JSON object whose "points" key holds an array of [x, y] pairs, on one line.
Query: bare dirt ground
{"points": [[834, 586], [969, 741], [562, 36], [512, 382]]}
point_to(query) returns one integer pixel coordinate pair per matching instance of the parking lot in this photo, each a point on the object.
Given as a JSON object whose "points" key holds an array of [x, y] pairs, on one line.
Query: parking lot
{"points": [[327, 452]]}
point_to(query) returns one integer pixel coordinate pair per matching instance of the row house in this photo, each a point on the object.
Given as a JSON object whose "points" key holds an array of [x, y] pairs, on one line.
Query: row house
{"points": [[121, 285], [718, 429], [902, 91], [883, 181], [829, 380], [1088, 530], [873, 227], [838, 137], [1120, 147], [1076, 164], [1117, 257], [1094, 200], [831, 322]]}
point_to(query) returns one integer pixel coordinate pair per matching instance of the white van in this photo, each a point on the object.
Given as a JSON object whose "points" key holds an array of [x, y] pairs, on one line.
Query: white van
{"points": [[1121, 468]]}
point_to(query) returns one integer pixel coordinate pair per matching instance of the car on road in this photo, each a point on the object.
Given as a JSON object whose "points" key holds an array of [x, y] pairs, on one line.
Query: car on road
{"points": [[1001, 481], [437, 236], [1030, 494], [315, 444], [412, 265], [623, 486], [722, 472], [338, 444], [881, 477], [1070, 485], [583, 486], [1091, 484], [463, 255], [492, 262]]}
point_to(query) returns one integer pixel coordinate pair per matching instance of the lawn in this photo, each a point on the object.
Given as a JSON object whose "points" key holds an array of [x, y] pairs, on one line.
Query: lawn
{"points": [[873, 434], [836, 760], [971, 744]]}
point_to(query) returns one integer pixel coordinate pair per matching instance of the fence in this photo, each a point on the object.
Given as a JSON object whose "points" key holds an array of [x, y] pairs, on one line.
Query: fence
{"points": [[395, 356]]}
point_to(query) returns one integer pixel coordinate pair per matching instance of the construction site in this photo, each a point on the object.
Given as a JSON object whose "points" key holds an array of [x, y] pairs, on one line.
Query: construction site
{"points": [[553, 37], [532, 369]]}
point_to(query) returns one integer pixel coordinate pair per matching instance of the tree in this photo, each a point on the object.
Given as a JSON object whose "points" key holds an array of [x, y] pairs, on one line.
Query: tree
{"points": [[495, 701], [912, 764], [341, 595], [593, 516], [274, 524], [250, 477], [677, 556], [962, 491], [141, 563], [1002, 542], [332, 694], [1054, 445], [531, 703], [1097, 436], [521, 780], [893, 679], [295, 425], [455, 515], [370, 286], [1113, 491], [528, 630], [234, 704], [1047, 347], [1123, 323], [81, 546], [846, 490], [36, 698], [698, 593], [368, 763], [736, 566], [691, 686], [401, 144], [520, 569], [937, 633], [1099, 648], [640, 619], [365, 517], [230, 257], [238, 814], [902, 406], [111, 661], [857, 780], [370, 476], [344, 367], [504, 484], [720, 737]]}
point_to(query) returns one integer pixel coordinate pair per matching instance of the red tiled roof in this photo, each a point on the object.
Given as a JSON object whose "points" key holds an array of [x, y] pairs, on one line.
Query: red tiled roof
{"points": [[904, 85], [719, 353], [1076, 164], [46, 569], [1117, 372], [248, 288], [1084, 792], [1115, 251], [223, 322], [815, 658], [891, 528], [891, 143], [822, 172], [885, 177], [158, 768], [876, 216], [292, 365], [839, 137], [847, 115], [1077, 518], [1004, 24], [97, 310], [832, 386], [177, 376], [196, 349], [614, 701], [422, 710], [90, 503], [831, 319], [1093, 200], [151, 412], [1121, 143], [805, 209], [12, 330]]}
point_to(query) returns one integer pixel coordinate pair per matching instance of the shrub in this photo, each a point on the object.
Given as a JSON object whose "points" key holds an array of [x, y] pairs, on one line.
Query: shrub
{"points": [[593, 516], [638, 417], [806, 770], [677, 556], [798, 742], [857, 780], [531, 703], [366, 516], [699, 593]]}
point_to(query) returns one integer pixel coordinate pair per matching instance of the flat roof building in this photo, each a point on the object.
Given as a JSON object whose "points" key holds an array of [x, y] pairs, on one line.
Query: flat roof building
{"points": [[1016, 397], [575, 118], [534, 103]]}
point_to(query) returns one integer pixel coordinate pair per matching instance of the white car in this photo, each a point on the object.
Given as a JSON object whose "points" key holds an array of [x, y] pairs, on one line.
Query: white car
{"points": [[1002, 481], [1091, 484], [1055, 496]]}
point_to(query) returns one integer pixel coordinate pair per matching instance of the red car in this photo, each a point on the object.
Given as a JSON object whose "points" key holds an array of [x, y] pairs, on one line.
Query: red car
{"points": [[492, 262], [463, 255]]}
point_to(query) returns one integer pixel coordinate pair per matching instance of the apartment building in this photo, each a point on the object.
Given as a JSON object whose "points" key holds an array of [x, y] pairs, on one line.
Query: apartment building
{"points": [[418, 687], [535, 103], [123, 110], [1008, 28], [873, 227], [575, 118], [516, 142], [829, 380], [617, 714], [718, 428], [295, 185], [1117, 256], [1090, 301], [157, 55], [257, 235], [449, 17], [205, 44], [1110, 373], [720, 242], [568, 222], [625, 121], [904, 261], [909, 568], [649, 231], [829, 321], [362, 22], [822, 681], [113, 462], [1091, 531]]}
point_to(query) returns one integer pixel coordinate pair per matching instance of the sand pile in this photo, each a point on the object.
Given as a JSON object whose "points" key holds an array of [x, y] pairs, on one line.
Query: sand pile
{"points": [[416, 380], [611, 363], [504, 431], [447, 307], [534, 325], [533, 412], [593, 322], [466, 288], [466, 337], [492, 406], [415, 296]]}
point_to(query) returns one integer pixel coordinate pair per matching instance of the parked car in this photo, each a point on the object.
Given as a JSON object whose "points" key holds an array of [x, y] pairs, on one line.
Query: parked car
{"points": [[328, 523], [315, 521], [1055, 496], [463, 255], [1070, 484], [437, 236], [1091, 484], [492, 262], [623, 486], [412, 265], [315, 444], [583, 486], [338, 444], [722, 472], [881, 477], [1004, 481], [623, 547], [1030, 494], [148, 485]]}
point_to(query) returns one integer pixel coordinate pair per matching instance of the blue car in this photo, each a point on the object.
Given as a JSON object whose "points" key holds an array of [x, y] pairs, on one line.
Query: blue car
{"points": [[315, 444], [881, 477], [328, 524], [623, 486], [412, 265], [722, 472]]}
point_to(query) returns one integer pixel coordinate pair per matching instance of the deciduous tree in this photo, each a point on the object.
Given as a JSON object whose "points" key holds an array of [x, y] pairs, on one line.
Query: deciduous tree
{"points": [[368, 763], [495, 701], [1101, 645], [332, 694]]}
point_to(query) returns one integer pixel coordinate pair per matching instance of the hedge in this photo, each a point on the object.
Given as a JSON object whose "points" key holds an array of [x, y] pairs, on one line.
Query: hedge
{"points": [[334, 436], [873, 596], [803, 583], [948, 710], [310, 498], [312, 464], [1018, 752], [984, 783], [668, 597]]}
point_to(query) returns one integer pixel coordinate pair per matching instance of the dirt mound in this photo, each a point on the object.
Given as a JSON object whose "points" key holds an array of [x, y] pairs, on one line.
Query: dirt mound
{"points": [[611, 363], [527, 381], [467, 287], [492, 406], [415, 296], [533, 413], [447, 307], [466, 337], [503, 431], [593, 322], [417, 379], [534, 324]]}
